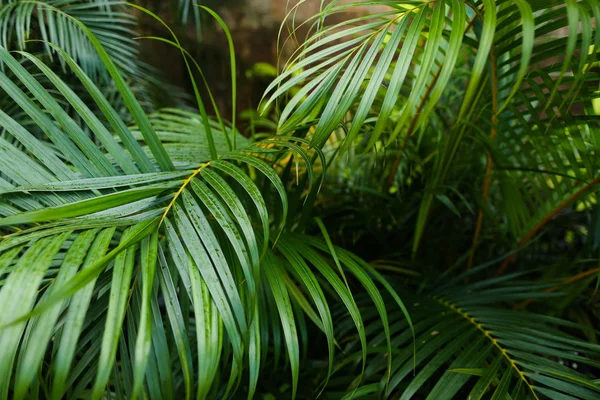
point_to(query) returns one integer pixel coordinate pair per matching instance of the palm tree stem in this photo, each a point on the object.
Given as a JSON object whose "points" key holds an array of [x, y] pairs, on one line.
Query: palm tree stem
{"points": [[180, 190], [413, 122], [488, 170], [570, 280], [540, 225], [410, 130], [494, 341]]}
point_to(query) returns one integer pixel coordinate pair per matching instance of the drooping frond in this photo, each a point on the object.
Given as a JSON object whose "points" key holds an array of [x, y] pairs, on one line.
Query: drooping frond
{"points": [[184, 135], [377, 56], [23, 22], [546, 135], [468, 346], [151, 260], [526, 97], [165, 255]]}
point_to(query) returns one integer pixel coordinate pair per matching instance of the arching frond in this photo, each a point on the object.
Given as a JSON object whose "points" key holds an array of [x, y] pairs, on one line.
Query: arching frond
{"points": [[467, 346], [381, 75], [52, 21], [371, 55], [166, 255], [149, 257]]}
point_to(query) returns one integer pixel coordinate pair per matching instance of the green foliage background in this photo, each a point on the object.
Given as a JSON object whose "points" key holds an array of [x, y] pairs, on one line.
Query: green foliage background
{"points": [[410, 213]]}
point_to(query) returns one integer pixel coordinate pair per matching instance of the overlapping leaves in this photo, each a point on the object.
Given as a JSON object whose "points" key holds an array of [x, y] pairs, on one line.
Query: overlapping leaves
{"points": [[527, 100], [546, 137], [469, 346], [153, 262], [52, 21]]}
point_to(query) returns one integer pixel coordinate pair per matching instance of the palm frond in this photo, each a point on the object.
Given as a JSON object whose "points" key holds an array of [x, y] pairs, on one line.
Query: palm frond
{"points": [[115, 228], [165, 255], [402, 60], [52, 21], [469, 346], [378, 53]]}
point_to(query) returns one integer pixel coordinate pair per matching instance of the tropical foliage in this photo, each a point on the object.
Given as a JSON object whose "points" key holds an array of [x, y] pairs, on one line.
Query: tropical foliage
{"points": [[412, 214]]}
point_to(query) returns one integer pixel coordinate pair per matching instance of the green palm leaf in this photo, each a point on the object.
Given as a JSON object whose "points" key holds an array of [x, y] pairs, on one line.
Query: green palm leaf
{"points": [[469, 346], [147, 216], [52, 21], [522, 89]]}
